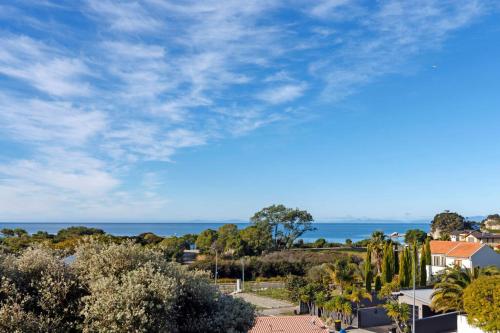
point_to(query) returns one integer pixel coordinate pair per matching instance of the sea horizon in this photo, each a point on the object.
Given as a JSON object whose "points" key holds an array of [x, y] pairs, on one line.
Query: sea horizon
{"points": [[336, 231]]}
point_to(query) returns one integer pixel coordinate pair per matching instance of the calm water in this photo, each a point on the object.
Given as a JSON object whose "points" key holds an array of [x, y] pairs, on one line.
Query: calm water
{"points": [[337, 231]]}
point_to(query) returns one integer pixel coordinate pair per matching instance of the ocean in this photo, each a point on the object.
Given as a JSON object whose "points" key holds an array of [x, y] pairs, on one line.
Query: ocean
{"points": [[337, 231]]}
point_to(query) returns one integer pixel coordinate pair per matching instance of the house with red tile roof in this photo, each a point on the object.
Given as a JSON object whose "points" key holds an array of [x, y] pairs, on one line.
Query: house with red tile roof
{"points": [[463, 254], [289, 324]]}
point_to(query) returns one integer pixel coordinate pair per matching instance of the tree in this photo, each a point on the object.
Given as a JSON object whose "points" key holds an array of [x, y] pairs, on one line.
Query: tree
{"points": [[446, 222], [229, 239], [387, 263], [256, 239], [368, 272], [482, 303], [449, 291], [423, 268], [414, 264], [348, 242], [415, 236], [377, 243], [399, 313], [286, 224], [205, 240], [358, 294], [428, 254], [378, 283], [405, 268], [342, 273], [7, 232]]}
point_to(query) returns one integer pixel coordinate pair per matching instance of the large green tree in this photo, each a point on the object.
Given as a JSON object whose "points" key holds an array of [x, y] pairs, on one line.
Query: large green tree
{"points": [[285, 224], [368, 271], [206, 240], [423, 268], [482, 303], [257, 239], [446, 222]]}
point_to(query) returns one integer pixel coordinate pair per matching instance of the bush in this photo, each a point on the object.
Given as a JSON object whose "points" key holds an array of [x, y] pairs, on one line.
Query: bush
{"points": [[482, 303], [112, 288]]}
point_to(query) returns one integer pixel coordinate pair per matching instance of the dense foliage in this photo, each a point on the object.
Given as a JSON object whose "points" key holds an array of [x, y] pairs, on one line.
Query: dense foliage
{"points": [[112, 288], [447, 222], [482, 303]]}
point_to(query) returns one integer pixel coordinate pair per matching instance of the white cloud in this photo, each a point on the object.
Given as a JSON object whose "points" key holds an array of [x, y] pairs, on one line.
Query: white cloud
{"points": [[41, 121], [147, 78], [43, 67], [282, 94], [125, 16]]}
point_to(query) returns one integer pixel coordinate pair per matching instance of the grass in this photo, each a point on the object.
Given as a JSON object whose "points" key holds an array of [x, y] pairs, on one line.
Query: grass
{"points": [[276, 293]]}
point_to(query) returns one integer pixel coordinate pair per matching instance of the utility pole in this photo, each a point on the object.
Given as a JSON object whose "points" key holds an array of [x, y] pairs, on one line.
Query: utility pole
{"points": [[216, 271], [243, 274], [414, 278]]}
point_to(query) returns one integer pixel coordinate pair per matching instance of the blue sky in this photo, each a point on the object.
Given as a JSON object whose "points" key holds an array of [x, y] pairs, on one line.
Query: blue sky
{"points": [[179, 110]]}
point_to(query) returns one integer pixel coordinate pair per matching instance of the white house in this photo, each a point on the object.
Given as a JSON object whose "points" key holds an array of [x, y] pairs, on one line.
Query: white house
{"points": [[462, 254]]}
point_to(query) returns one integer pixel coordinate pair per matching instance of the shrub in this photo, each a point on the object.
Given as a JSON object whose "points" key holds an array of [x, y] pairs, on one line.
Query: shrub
{"points": [[482, 303]]}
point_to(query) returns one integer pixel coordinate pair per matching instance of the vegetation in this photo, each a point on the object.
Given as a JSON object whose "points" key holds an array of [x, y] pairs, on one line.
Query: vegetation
{"points": [[447, 222], [399, 313], [415, 236], [482, 303], [285, 225], [448, 293], [112, 288]]}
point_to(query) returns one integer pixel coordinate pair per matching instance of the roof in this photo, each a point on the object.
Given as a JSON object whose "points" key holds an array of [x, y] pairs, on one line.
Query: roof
{"points": [[422, 295], [455, 249], [481, 235], [289, 324]]}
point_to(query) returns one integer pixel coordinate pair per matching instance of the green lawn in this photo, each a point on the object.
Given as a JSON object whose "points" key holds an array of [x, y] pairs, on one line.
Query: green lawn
{"points": [[276, 293]]}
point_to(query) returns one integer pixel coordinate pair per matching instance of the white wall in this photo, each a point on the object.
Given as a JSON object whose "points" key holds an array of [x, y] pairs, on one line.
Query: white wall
{"points": [[464, 327], [450, 262], [486, 256]]}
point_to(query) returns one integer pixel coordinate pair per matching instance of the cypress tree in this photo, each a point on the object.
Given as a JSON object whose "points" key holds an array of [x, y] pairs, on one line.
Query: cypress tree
{"points": [[396, 262], [402, 269], [414, 264], [428, 257], [423, 269], [378, 283], [387, 262], [368, 270]]}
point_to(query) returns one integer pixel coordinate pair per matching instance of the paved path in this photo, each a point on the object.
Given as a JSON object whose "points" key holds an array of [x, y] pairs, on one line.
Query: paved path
{"points": [[268, 306]]}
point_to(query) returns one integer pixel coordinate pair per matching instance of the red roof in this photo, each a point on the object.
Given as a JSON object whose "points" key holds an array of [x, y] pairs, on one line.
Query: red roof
{"points": [[455, 249], [289, 324]]}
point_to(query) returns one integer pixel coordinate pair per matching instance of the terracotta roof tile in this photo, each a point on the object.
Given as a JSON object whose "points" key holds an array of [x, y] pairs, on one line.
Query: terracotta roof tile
{"points": [[441, 247], [454, 249], [464, 250], [289, 324]]}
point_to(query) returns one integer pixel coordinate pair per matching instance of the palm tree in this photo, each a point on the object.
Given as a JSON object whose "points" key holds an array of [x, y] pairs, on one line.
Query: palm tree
{"points": [[357, 294], [448, 292], [347, 312], [343, 273], [377, 243], [399, 313]]}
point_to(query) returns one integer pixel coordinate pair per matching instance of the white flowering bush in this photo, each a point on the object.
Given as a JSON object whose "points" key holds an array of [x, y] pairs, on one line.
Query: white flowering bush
{"points": [[112, 288]]}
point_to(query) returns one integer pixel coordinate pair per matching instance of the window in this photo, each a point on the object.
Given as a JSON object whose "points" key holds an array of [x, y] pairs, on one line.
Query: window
{"points": [[438, 261], [457, 263]]}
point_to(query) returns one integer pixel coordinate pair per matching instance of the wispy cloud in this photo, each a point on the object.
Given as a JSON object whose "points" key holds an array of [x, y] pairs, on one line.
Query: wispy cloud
{"points": [[135, 81], [282, 94]]}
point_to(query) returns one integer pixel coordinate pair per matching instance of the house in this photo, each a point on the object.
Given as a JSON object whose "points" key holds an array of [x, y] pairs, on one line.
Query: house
{"points": [[423, 299], [463, 254], [474, 236], [459, 235], [289, 324]]}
